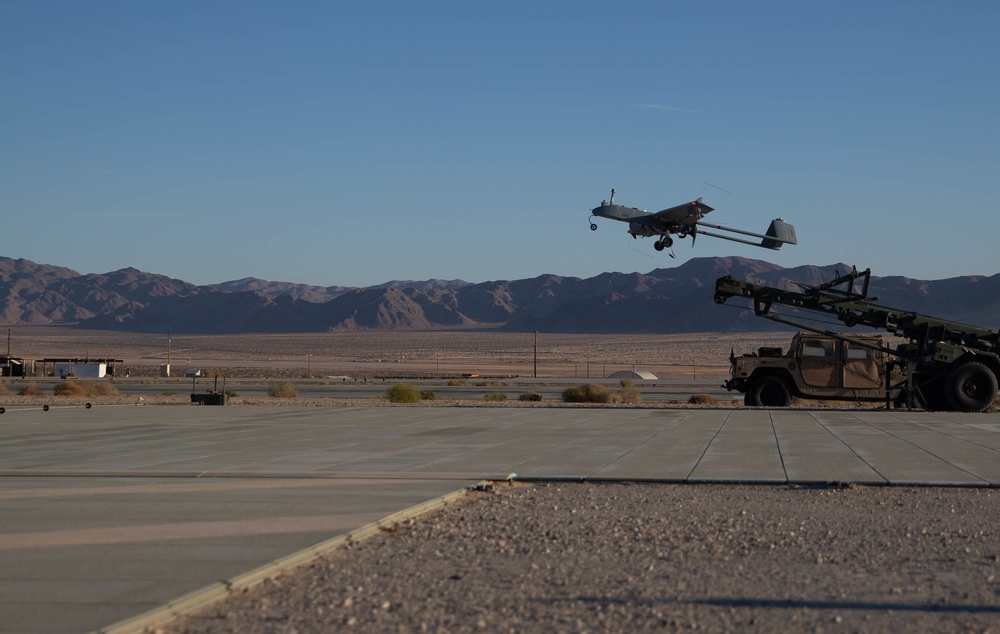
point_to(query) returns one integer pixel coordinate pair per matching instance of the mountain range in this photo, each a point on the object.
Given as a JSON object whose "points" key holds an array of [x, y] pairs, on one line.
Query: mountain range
{"points": [[666, 300]]}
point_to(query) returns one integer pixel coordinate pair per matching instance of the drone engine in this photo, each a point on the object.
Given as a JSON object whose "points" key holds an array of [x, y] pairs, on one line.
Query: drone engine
{"points": [[639, 229]]}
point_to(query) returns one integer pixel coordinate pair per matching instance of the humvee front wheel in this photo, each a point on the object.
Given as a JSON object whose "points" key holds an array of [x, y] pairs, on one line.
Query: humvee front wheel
{"points": [[768, 391], [970, 387]]}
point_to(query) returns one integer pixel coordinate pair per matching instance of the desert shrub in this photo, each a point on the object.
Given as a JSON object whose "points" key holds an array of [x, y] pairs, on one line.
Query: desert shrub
{"points": [[626, 384], [3, 389], [628, 395], [403, 393], [457, 382], [30, 390], [589, 393], [575, 394], [282, 389], [496, 396], [427, 395], [168, 393], [308, 375], [99, 388], [701, 399], [230, 393], [530, 395], [69, 388]]}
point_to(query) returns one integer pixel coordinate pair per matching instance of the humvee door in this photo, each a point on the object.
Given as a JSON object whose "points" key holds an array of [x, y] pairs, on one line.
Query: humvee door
{"points": [[818, 362]]}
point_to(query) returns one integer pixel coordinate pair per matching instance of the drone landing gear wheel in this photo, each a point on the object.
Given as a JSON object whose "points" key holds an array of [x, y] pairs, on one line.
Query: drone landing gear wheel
{"points": [[663, 243], [593, 227]]}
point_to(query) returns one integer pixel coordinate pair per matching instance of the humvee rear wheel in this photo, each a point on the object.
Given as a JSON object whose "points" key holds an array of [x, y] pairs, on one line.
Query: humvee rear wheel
{"points": [[769, 391], [970, 387]]}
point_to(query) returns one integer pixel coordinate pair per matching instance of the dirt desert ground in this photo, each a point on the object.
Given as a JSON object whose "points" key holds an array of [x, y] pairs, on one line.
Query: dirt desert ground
{"points": [[697, 355]]}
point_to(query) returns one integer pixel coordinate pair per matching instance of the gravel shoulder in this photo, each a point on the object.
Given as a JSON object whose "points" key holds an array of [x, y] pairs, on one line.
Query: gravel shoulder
{"points": [[576, 557]]}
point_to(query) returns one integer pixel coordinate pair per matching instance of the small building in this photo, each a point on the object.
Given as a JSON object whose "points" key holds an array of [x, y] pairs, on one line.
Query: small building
{"points": [[13, 366], [634, 374], [82, 370]]}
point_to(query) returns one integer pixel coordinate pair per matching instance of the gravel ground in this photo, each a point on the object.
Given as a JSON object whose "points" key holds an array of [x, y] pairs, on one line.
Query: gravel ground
{"points": [[575, 557]]}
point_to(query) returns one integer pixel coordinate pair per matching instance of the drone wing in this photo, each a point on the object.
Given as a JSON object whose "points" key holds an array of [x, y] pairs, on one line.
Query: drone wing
{"points": [[686, 214]]}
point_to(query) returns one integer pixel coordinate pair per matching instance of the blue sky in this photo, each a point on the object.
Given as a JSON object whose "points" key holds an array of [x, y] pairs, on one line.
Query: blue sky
{"points": [[336, 143]]}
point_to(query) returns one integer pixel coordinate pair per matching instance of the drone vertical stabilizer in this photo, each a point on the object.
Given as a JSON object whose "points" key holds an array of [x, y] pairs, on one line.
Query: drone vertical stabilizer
{"points": [[779, 233]]}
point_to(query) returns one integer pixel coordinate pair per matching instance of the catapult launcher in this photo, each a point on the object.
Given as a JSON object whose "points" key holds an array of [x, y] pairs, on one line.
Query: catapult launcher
{"points": [[944, 365]]}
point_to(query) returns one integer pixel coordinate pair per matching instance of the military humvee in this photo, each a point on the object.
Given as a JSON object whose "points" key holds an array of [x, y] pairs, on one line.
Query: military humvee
{"points": [[814, 367]]}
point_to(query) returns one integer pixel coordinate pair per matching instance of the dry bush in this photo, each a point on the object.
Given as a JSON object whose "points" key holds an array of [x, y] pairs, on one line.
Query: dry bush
{"points": [[496, 396], [100, 388], [69, 388], [282, 389], [457, 382], [589, 393], [701, 399], [30, 390], [403, 393], [530, 395], [85, 388], [627, 395], [3, 389]]}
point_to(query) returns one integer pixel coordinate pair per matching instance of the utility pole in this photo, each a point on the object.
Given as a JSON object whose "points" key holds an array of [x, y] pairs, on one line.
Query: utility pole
{"points": [[166, 370], [534, 373]]}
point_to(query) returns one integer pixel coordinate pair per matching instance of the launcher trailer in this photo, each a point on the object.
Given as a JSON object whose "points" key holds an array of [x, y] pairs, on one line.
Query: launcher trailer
{"points": [[944, 365]]}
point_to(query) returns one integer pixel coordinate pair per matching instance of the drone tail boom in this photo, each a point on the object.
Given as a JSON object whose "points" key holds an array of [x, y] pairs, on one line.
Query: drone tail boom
{"points": [[779, 233]]}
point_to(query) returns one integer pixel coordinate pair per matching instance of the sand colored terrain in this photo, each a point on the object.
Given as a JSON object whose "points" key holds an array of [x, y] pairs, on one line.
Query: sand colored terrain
{"points": [[430, 353]]}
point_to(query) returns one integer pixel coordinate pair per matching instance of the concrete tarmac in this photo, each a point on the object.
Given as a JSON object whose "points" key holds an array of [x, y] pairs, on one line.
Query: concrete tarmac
{"points": [[109, 514]]}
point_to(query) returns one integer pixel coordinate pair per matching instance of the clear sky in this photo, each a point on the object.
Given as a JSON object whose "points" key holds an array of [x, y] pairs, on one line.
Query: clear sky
{"points": [[353, 143]]}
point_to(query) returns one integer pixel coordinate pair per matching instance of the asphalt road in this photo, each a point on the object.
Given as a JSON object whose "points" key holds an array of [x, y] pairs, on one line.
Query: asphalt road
{"points": [[660, 390]]}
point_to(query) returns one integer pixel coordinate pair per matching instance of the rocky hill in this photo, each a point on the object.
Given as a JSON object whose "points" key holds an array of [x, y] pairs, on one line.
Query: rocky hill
{"points": [[667, 300]]}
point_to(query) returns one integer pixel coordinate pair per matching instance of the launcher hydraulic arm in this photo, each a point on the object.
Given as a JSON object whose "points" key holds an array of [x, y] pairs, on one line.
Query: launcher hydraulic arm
{"points": [[948, 365]]}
